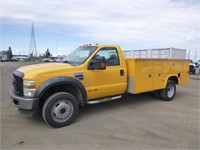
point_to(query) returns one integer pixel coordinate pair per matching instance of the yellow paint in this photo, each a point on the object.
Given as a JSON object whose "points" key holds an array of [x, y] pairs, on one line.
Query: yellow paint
{"points": [[42, 72], [153, 74], [147, 74], [158, 76], [107, 82]]}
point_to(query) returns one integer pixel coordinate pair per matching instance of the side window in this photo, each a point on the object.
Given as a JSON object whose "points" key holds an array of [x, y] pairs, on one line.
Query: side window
{"points": [[111, 56]]}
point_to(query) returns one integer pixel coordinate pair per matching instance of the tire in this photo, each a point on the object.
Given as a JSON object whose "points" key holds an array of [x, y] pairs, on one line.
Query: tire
{"points": [[157, 94], [60, 109], [169, 92]]}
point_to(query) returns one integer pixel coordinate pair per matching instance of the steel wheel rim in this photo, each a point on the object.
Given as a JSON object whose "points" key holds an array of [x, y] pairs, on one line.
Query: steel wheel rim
{"points": [[62, 110], [170, 90]]}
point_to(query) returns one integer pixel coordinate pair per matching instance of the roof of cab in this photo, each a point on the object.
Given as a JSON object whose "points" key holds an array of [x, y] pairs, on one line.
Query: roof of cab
{"points": [[100, 45], [107, 45]]}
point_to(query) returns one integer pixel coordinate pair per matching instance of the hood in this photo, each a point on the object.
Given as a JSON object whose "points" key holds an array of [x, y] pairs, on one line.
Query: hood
{"points": [[32, 71]]}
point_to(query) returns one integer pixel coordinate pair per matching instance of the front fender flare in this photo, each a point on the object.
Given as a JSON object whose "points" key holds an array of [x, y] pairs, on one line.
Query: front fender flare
{"points": [[62, 80]]}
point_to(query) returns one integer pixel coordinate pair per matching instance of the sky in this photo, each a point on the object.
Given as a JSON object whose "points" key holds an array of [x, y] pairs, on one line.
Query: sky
{"points": [[64, 25]]}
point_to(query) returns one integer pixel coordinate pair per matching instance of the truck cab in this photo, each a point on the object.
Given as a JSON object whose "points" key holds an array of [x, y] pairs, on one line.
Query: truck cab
{"points": [[106, 80]]}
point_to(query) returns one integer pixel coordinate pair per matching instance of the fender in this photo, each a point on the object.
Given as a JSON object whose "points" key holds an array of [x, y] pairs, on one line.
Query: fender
{"points": [[172, 75], [61, 80], [18, 73]]}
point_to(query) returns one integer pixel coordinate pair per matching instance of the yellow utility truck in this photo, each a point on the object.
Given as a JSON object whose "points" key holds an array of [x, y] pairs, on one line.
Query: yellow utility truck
{"points": [[89, 75]]}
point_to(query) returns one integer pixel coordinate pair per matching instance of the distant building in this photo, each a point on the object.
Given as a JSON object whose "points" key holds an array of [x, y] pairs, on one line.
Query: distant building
{"points": [[3, 57], [20, 57]]}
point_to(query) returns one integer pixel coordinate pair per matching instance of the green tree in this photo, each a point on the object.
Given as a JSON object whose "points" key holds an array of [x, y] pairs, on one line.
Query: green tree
{"points": [[9, 53], [48, 54], [31, 55]]}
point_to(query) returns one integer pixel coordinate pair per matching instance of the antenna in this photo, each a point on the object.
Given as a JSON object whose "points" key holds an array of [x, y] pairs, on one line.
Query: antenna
{"points": [[32, 47]]}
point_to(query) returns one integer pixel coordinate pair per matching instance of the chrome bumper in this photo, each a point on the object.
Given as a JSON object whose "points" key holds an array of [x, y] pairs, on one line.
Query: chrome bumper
{"points": [[24, 102]]}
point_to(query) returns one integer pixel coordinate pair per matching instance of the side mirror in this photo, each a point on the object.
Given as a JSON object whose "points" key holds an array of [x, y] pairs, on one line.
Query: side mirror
{"points": [[98, 63]]}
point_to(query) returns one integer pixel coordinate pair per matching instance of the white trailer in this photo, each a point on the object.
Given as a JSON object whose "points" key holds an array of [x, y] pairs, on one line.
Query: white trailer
{"points": [[171, 53]]}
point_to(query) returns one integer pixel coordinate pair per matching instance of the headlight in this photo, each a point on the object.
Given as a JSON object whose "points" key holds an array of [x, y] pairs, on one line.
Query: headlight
{"points": [[29, 88]]}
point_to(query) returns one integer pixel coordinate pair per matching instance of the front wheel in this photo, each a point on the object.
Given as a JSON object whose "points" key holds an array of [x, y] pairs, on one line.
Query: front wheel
{"points": [[169, 92], [60, 109]]}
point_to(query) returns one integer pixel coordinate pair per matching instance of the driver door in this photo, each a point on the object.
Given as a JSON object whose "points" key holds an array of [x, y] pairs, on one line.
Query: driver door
{"points": [[108, 82]]}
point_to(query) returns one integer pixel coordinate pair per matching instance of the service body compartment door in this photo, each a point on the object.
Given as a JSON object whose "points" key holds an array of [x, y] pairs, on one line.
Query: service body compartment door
{"points": [[185, 73], [158, 82], [143, 76]]}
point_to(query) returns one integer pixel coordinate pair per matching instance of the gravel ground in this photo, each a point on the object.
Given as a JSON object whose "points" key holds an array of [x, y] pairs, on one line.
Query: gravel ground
{"points": [[134, 122]]}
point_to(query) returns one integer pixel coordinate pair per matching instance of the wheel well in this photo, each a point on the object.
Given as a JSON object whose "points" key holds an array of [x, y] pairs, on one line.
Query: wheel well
{"points": [[173, 78], [61, 88]]}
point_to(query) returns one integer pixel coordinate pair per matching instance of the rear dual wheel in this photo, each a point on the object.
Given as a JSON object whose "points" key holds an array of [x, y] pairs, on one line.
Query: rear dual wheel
{"points": [[168, 93], [60, 109]]}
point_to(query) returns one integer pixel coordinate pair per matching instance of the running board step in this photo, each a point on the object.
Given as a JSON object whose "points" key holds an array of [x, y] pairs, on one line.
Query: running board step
{"points": [[104, 100]]}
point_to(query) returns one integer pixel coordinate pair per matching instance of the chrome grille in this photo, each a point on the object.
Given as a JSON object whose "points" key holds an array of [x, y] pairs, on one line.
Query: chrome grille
{"points": [[17, 82]]}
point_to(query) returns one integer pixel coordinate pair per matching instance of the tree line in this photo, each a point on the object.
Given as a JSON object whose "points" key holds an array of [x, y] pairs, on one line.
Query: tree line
{"points": [[8, 53]]}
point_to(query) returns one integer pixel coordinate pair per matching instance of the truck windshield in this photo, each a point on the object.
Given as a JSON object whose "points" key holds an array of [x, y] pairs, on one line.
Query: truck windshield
{"points": [[79, 56]]}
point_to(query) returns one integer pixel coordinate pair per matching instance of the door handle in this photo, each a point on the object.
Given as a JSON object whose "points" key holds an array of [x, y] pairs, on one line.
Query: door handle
{"points": [[121, 72]]}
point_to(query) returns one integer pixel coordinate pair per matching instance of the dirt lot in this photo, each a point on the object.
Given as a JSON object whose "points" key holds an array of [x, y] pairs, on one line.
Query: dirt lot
{"points": [[134, 122]]}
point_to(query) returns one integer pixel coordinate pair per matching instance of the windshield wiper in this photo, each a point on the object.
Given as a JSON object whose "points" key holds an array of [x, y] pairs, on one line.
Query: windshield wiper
{"points": [[66, 61]]}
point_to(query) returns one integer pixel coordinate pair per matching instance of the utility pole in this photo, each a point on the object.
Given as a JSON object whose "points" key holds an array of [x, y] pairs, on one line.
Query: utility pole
{"points": [[195, 56], [56, 47], [189, 54], [32, 47]]}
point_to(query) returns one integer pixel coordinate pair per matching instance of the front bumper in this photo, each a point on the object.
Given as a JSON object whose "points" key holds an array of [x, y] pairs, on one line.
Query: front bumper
{"points": [[24, 103]]}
